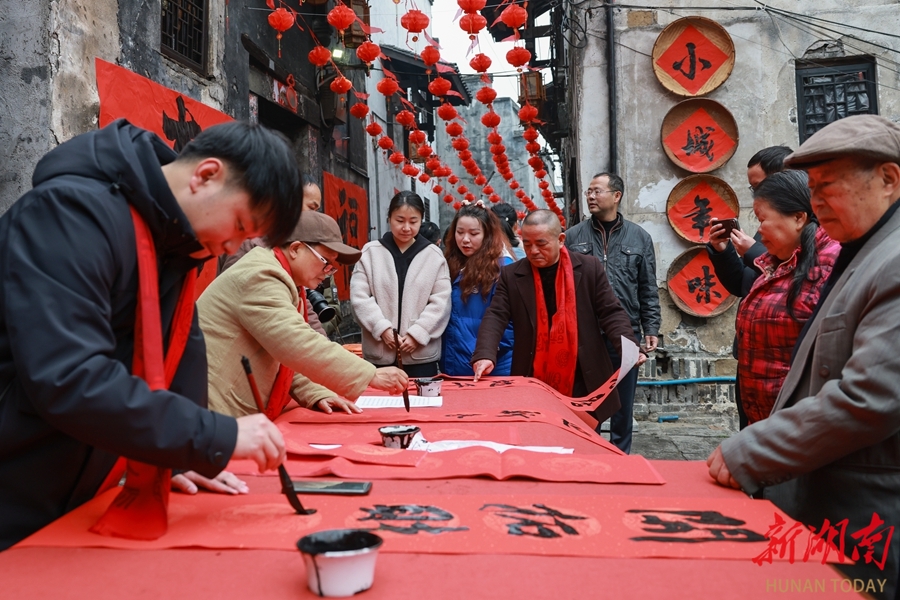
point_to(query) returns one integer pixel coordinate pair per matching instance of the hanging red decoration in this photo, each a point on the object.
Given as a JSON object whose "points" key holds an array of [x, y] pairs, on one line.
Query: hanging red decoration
{"points": [[490, 119], [453, 129], [481, 63], [341, 17], [424, 177], [486, 95], [471, 6], [459, 144], [528, 113], [437, 189], [540, 174], [488, 190], [518, 56], [536, 163], [424, 151], [457, 205], [520, 193], [530, 134], [498, 149], [514, 16], [397, 157], [494, 138], [532, 147], [469, 163], [340, 85], [433, 164], [448, 199], [415, 21], [406, 118], [507, 175], [410, 170], [439, 86], [359, 110], [280, 20], [494, 198], [472, 23], [447, 112], [453, 180], [430, 55], [385, 143], [543, 184], [513, 185], [319, 56], [417, 136], [519, 214], [470, 197], [388, 86], [465, 156], [368, 52], [462, 190], [480, 180], [373, 129]]}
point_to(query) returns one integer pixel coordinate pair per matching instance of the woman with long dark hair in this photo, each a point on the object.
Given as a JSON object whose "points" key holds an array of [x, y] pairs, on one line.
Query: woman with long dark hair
{"points": [[401, 284], [798, 259], [473, 247]]}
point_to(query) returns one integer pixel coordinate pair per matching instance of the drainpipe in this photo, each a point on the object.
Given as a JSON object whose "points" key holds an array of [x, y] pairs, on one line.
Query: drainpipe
{"points": [[666, 382], [611, 83]]}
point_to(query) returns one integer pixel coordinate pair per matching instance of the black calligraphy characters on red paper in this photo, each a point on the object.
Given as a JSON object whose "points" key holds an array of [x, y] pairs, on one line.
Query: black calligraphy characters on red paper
{"points": [[181, 131], [700, 143], [409, 519], [703, 286], [692, 59], [701, 216], [692, 527], [527, 414], [539, 521], [348, 222], [786, 541]]}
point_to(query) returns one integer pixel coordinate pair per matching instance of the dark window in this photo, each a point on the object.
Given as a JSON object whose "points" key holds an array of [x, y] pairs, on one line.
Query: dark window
{"points": [[427, 203], [184, 32], [828, 90]]}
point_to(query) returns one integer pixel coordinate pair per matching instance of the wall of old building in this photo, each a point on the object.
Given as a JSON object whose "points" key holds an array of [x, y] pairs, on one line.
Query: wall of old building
{"points": [[760, 93]]}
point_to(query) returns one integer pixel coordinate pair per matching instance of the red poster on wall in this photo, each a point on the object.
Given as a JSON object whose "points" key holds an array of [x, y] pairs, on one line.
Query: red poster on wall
{"points": [[348, 204], [697, 285], [700, 143]]}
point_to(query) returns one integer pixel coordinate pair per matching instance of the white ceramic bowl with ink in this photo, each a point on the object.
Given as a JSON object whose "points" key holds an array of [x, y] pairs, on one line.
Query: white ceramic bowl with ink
{"points": [[340, 562], [397, 436], [430, 388]]}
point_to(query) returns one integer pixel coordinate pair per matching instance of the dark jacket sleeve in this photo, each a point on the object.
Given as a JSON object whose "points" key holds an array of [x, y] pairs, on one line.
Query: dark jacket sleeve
{"points": [[648, 290], [495, 320], [734, 276], [755, 251], [63, 268]]}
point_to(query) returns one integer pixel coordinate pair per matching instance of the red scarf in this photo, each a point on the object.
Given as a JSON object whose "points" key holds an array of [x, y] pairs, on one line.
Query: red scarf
{"points": [[140, 510], [556, 347], [281, 389]]}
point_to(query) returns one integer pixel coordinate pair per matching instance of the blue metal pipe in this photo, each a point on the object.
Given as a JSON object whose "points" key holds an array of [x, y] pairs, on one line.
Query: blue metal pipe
{"points": [[688, 381]]}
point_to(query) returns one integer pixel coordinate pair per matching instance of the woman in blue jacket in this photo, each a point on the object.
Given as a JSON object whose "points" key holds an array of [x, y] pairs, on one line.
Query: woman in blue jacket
{"points": [[473, 247]]}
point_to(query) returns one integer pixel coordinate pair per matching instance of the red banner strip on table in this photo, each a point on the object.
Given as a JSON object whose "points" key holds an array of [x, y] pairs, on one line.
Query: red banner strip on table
{"points": [[531, 524], [354, 452]]}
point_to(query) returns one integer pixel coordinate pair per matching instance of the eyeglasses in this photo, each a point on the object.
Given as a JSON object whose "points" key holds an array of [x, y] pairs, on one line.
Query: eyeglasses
{"points": [[329, 269], [595, 192]]}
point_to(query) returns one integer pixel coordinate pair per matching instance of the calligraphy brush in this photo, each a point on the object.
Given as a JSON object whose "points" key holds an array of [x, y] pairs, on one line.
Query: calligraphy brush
{"points": [[287, 486], [400, 366]]}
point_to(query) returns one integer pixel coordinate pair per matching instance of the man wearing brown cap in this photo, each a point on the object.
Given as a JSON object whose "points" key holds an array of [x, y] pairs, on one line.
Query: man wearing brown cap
{"points": [[830, 451], [255, 309]]}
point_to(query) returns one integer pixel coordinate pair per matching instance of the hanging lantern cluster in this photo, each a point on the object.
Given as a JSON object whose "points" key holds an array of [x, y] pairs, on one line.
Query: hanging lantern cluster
{"points": [[528, 115], [472, 22], [281, 20]]}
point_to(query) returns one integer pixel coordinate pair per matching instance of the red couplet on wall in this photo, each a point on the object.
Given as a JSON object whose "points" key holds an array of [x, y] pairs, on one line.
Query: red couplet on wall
{"points": [[348, 204]]}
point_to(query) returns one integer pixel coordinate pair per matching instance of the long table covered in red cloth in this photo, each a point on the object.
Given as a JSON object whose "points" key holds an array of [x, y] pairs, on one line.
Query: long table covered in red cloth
{"points": [[468, 523]]}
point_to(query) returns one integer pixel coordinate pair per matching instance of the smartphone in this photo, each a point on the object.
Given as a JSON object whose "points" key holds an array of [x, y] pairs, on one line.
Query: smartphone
{"points": [[343, 488], [728, 225]]}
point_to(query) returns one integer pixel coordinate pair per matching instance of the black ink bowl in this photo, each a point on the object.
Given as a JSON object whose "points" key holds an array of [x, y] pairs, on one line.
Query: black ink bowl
{"points": [[397, 436], [340, 562]]}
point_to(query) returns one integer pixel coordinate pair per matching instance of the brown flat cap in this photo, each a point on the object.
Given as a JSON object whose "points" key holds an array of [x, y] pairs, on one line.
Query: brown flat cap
{"points": [[318, 228], [860, 135]]}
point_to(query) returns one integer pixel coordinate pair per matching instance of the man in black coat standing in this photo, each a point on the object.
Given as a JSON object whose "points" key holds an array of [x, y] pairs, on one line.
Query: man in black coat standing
{"points": [[593, 307], [69, 402]]}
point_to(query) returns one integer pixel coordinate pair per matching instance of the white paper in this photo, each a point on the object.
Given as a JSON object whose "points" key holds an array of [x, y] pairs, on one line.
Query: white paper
{"points": [[420, 443], [397, 401], [630, 354]]}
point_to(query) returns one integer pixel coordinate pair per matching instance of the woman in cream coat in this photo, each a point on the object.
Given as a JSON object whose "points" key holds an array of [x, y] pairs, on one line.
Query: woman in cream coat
{"points": [[402, 283]]}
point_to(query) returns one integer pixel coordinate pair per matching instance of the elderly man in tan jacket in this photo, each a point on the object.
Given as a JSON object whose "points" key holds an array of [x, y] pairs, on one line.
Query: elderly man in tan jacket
{"points": [[254, 309]]}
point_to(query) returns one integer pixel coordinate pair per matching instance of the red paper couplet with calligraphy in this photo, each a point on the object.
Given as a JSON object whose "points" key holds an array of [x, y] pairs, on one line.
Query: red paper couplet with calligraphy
{"points": [[693, 56], [695, 201], [699, 135], [348, 204], [694, 286]]}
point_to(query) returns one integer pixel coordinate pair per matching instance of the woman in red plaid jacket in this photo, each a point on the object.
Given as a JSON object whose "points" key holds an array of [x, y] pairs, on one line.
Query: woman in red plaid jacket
{"points": [[798, 260]]}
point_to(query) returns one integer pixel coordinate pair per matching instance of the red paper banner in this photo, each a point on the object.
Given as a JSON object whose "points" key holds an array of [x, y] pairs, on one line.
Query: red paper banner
{"points": [[697, 285], [530, 524], [692, 214], [698, 140], [692, 59], [348, 204]]}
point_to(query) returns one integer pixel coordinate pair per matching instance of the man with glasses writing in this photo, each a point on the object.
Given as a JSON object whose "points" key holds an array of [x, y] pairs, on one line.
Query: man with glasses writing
{"points": [[256, 309], [626, 250]]}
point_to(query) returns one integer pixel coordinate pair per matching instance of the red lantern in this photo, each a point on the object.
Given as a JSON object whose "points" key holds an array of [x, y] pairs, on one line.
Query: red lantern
{"points": [[448, 199], [280, 20], [453, 129], [494, 138], [424, 151], [368, 52], [415, 21], [439, 86], [373, 129], [417, 136], [385, 143], [544, 184], [459, 144], [359, 110], [514, 16], [528, 113], [532, 147], [498, 149], [520, 193], [514, 185], [340, 85], [518, 56], [341, 17], [481, 63], [410, 170], [472, 23], [430, 55], [480, 180], [387, 86], [470, 197], [536, 163], [456, 205], [530, 134], [469, 163], [540, 174], [432, 164], [486, 95], [406, 118], [490, 119], [453, 180], [437, 189], [507, 175], [424, 177], [465, 155], [447, 112], [319, 56], [488, 190], [471, 6], [397, 157], [462, 190], [494, 198]]}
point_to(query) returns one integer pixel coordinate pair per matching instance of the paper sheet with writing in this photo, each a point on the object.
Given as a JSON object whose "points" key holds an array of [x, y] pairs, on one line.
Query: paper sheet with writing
{"points": [[397, 401]]}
